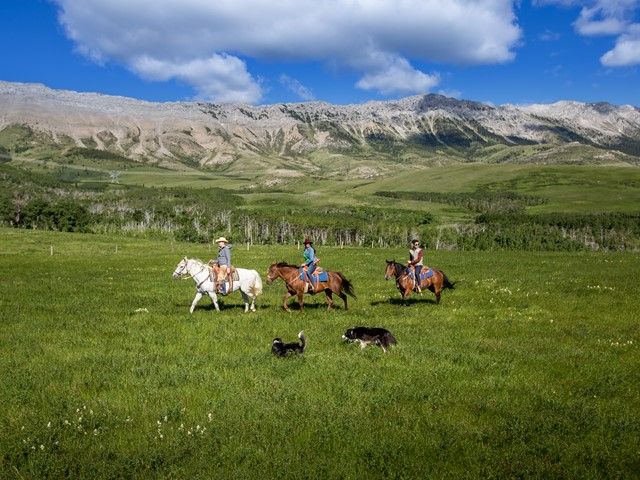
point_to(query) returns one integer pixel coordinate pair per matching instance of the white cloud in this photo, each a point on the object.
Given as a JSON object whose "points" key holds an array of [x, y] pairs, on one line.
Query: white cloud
{"points": [[394, 74], [296, 87], [202, 41], [221, 77], [612, 18], [450, 93], [626, 52]]}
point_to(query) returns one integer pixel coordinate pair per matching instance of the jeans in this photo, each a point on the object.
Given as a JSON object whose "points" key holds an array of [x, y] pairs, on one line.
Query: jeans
{"points": [[418, 270], [310, 269]]}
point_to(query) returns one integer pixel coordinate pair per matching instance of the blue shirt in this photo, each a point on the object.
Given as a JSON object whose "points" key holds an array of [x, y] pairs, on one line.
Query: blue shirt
{"points": [[224, 255], [309, 255]]}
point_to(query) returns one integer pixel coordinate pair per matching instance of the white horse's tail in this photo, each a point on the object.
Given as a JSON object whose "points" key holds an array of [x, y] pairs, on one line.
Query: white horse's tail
{"points": [[256, 288]]}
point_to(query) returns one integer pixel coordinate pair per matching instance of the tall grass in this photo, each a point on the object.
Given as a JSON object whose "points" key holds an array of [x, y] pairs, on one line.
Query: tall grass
{"points": [[529, 368]]}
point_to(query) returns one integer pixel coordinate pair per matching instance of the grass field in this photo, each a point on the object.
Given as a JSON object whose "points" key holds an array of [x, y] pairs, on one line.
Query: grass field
{"points": [[528, 369]]}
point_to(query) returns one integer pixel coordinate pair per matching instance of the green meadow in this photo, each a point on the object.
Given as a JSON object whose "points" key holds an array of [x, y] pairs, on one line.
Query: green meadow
{"points": [[529, 368]]}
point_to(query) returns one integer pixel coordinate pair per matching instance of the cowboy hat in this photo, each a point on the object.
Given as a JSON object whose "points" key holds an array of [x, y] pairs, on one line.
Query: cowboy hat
{"points": [[307, 242], [222, 239]]}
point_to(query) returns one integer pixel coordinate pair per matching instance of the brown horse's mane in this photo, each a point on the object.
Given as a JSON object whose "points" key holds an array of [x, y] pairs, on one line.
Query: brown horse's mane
{"points": [[285, 264]]}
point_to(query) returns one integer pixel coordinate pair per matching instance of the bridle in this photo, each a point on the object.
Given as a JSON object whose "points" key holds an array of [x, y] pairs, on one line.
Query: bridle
{"points": [[182, 272]]}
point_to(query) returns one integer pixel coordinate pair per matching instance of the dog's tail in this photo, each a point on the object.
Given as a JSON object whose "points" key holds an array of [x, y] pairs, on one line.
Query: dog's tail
{"points": [[303, 340]]}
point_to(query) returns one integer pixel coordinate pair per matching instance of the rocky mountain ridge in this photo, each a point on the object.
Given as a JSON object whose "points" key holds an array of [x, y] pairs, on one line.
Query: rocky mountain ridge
{"points": [[205, 134]]}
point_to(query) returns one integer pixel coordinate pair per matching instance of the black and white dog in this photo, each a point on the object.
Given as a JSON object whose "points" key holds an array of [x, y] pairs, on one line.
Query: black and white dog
{"points": [[281, 349], [370, 336]]}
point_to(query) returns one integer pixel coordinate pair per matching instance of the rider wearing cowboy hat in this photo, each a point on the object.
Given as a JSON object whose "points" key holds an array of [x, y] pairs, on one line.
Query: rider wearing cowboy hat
{"points": [[416, 260], [223, 261], [310, 261]]}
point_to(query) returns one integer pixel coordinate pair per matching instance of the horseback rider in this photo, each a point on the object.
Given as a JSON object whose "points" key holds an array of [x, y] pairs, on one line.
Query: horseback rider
{"points": [[310, 261], [223, 264], [416, 261]]}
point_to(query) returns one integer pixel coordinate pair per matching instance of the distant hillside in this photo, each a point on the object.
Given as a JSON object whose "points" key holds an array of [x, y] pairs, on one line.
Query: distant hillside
{"points": [[303, 136]]}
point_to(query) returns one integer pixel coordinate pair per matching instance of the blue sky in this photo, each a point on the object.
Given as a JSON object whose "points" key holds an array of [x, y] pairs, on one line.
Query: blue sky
{"points": [[340, 51]]}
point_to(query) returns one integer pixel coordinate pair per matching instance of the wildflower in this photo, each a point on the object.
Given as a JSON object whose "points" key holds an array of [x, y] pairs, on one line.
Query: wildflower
{"points": [[49, 425], [210, 417], [41, 447], [95, 431]]}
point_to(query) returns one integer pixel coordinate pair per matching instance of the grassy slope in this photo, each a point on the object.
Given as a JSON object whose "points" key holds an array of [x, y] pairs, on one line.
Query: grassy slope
{"points": [[528, 369]]}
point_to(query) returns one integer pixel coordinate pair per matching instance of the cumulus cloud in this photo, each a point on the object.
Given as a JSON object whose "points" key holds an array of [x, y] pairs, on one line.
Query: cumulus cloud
{"points": [[221, 77], [394, 74], [612, 18], [204, 42], [626, 52], [296, 87]]}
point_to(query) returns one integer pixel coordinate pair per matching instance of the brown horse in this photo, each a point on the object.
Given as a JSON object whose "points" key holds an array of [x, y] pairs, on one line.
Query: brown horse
{"points": [[337, 283], [405, 283]]}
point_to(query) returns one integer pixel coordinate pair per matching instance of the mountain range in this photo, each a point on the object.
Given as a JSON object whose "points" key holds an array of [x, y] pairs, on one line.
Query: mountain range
{"points": [[301, 136]]}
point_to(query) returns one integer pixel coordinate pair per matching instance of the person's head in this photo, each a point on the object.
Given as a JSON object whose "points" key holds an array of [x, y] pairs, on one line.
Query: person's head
{"points": [[415, 243], [222, 242], [307, 242]]}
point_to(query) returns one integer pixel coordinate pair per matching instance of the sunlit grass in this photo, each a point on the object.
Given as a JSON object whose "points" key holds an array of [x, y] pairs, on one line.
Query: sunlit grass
{"points": [[529, 368]]}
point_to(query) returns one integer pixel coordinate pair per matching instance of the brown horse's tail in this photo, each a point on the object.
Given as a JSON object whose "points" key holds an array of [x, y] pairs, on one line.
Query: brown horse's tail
{"points": [[346, 286], [446, 283]]}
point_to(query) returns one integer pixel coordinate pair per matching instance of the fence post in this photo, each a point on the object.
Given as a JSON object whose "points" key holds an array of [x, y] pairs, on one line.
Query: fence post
{"points": [[51, 250]]}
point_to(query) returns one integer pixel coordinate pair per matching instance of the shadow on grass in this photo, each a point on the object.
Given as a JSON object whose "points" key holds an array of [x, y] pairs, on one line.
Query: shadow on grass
{"points": [[408, 301]]}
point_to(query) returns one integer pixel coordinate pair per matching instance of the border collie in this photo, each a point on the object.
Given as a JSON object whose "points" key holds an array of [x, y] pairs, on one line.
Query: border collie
{"points": [[281, 349], [370, 336]]}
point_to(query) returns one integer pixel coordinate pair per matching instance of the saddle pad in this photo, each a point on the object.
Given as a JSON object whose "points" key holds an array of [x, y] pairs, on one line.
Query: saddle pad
{"points": [[317, 277], [427, 274], [423, 275]]}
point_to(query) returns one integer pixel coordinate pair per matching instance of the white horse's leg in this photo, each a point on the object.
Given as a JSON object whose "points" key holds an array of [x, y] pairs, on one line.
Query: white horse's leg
{"points": [[245, 298], [195, 301], [214, 299]]}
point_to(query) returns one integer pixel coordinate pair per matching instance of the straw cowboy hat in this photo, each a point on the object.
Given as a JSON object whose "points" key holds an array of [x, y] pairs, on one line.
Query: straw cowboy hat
{"points": [[222, 239]]}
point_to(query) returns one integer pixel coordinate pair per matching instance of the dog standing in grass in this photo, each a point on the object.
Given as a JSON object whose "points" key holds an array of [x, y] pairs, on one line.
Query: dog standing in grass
{"points": [[370, 336], [281, 349]]}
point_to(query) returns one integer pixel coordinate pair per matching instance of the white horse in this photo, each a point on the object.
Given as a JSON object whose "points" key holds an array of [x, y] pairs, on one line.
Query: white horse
{"points": [[250, 283]]}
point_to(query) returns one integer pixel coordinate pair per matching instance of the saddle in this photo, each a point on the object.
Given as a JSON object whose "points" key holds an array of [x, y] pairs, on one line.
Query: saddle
{"points": [[423, 274], [214, 273], [318, 276]]}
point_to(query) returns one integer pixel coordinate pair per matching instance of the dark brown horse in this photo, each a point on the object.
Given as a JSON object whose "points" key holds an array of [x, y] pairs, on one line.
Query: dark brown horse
{"points": [[406, 283], [337, 284]]}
